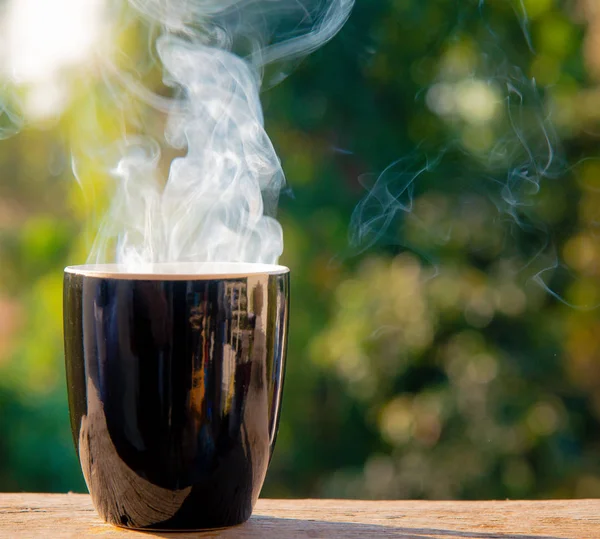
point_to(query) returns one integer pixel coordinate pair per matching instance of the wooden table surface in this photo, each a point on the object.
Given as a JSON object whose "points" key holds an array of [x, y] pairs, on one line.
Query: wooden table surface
{"points": [[59, 516]]}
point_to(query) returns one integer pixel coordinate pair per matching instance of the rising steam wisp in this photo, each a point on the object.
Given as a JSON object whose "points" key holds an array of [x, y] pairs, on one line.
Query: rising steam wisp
{"points": [[219, 200]]}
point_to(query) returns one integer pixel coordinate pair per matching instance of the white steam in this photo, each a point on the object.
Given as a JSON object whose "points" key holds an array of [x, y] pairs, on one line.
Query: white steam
{"points": [[219, 200]]}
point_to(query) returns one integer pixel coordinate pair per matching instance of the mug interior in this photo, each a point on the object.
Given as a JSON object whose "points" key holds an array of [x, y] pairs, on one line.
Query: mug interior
{"points": [[177, 270]]}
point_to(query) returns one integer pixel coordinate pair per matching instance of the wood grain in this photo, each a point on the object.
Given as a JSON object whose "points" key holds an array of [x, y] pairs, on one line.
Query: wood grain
{"points": [[61, 516]]}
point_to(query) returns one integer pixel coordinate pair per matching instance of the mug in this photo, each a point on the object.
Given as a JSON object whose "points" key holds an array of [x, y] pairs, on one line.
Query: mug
{"points": [[175, 376]]}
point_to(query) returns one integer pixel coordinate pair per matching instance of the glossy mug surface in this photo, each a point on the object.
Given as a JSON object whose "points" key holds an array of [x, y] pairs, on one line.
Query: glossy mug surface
{"points": [[175, 380]]}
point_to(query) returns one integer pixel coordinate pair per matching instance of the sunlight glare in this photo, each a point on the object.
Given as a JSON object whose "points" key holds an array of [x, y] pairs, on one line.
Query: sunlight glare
{"points": [[43, 37]]}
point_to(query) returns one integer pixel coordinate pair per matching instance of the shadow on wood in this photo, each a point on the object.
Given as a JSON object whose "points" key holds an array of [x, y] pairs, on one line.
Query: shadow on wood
{"points": [[293, 528]]}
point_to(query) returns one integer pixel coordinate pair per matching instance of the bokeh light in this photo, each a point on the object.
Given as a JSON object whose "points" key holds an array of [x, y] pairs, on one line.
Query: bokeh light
{"points": [[41, 39]]}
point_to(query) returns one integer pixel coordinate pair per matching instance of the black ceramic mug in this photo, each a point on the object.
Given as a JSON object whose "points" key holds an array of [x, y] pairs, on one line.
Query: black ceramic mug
{"points": [[175, 378]]}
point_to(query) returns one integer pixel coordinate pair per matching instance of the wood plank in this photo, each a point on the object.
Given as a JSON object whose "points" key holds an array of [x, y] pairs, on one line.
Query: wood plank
{"points": [[62, 516]]}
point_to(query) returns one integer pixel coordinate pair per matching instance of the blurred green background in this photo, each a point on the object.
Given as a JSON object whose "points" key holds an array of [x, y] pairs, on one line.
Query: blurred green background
{"points": [[442, 225]]}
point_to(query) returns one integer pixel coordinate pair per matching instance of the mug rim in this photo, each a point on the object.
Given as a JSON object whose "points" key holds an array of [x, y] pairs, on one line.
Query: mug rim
{"points": [[177, 271]]}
